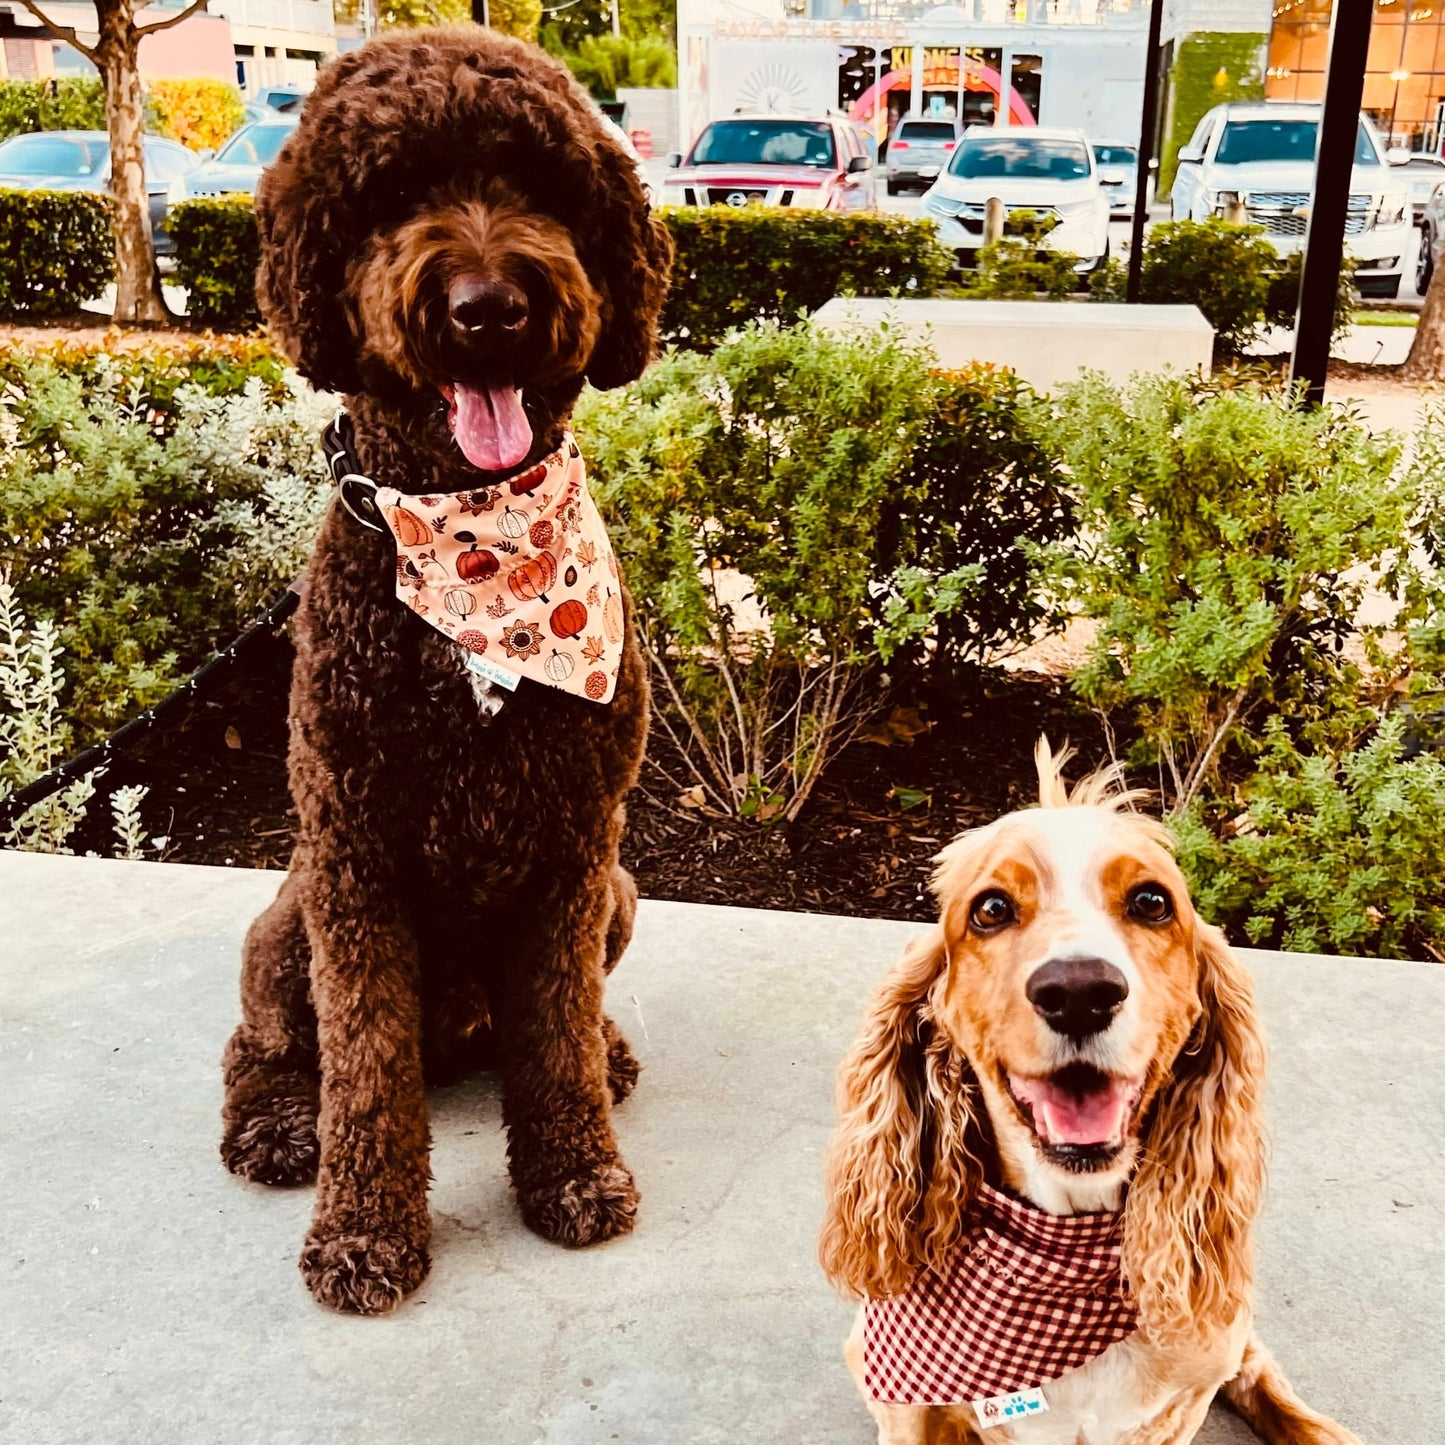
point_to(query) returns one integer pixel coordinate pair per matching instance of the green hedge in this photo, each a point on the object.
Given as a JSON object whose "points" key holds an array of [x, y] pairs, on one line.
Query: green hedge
{"points": [[76, 103], [753, 263], [732, 266], [55, 251], [217, 252]]}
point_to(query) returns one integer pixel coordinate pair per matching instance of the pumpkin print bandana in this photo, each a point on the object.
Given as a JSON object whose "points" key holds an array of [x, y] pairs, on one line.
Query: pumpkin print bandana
{"points": [[521, 574], [1027, 1297]]}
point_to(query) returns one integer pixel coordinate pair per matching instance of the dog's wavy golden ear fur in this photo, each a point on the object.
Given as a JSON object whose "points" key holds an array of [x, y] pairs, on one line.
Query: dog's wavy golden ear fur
{"points": [[903, 1164], [1192, 1202]]}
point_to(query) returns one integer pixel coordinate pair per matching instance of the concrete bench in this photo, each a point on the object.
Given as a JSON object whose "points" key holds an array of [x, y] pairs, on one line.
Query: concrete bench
{"points": [[146, 1296], [1046, 343]]}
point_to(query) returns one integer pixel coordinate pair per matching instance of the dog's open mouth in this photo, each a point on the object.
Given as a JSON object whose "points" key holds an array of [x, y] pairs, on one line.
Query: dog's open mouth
{"points": [[489, 425], [1080, 1115]]}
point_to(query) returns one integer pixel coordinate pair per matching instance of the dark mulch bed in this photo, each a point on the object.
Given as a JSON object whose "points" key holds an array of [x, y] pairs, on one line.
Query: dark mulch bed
{"points": [[217, 783]]}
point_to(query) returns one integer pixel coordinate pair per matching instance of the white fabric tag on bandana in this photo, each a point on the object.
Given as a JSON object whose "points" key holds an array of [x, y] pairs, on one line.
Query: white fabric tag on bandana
{"points": [[1008, 1409], [492, 672]]}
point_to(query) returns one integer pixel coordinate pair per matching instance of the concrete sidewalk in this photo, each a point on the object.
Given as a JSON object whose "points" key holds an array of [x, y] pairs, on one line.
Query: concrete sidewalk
{"points": [[147, 1297]]}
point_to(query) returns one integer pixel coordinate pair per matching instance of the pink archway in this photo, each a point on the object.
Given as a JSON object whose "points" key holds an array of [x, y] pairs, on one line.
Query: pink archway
{"points": [[976, 77]]}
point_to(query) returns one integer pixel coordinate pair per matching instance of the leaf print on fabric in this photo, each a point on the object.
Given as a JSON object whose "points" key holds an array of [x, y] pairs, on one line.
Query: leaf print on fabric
{"points": [[587, 554], [593, 650]]}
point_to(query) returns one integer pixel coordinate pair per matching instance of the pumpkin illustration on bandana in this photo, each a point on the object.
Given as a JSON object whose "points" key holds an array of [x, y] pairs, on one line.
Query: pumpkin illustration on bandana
{"points": [[522, 639]]}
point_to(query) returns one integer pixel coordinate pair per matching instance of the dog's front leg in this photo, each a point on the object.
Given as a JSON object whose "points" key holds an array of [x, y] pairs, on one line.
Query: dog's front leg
{"points": [[367, 1247], [571, 1183]]}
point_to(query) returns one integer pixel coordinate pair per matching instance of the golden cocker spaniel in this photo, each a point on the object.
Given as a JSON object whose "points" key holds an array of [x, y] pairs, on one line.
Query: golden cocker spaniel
{"points": [[1070, 1045]]}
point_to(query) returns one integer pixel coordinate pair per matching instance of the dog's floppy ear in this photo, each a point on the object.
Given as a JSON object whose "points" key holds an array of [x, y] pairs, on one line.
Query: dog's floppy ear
{"points": [[627, 254], [304, 243], [900, 1171], [1191, 1207]]}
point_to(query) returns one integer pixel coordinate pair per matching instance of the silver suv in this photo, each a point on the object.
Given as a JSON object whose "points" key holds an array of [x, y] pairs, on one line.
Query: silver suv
{"points": [[918, 150]]}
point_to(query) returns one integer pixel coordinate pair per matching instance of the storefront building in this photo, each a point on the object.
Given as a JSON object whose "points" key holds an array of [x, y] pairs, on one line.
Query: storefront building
{"points": [[996, 62], [1405, 82]]}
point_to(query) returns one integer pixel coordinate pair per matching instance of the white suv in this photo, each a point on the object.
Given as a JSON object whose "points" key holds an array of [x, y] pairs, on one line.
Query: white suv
{"points": [[1035, 168], [1262, 156]]}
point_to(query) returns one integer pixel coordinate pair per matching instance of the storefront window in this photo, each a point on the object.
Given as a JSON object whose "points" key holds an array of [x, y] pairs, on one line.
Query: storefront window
{"points": [[1405, 83], [1028, 84]]}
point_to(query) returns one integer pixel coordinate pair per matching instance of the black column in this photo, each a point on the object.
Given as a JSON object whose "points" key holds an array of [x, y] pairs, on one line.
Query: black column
{"points": [[1334, 164], [1148, 130]]}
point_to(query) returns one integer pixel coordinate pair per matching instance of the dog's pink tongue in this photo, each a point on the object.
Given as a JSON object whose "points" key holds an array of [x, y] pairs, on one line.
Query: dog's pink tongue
{"points": [[1063, 1116], [490, 426]]}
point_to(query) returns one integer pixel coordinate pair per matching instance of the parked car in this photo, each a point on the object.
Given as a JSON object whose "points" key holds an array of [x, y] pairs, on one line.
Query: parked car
{"points": [[1432, 237], [1422, 174], [1118, 165], [235, 169], [1262, 156], [286, 99], [918, 150], [79, 160], [774, 160], [1048, 170]]}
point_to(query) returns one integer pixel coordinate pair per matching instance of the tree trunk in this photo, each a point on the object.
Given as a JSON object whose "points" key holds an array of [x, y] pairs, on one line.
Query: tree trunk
{"points": [[138, 298], [1426, 361]]}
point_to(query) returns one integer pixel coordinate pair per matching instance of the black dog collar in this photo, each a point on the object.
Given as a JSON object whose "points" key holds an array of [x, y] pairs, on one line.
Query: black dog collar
{"points": [[356, 490]]}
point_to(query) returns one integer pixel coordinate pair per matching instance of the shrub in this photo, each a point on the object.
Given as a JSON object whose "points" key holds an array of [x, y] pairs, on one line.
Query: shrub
{"points": [[217, 252], [1018, 267], [745, 491], [126, 516], [1281, 303], [74, 103], [1223, 269], [199, 112], [603, 63], [1335, 852], [56, 251], [1226, 541], [981, 491], [753, 263]]}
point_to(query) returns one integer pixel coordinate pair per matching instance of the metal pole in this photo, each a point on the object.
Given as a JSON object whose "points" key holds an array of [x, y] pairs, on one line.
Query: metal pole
{"points": [[1329, 205], [1148, 124]]}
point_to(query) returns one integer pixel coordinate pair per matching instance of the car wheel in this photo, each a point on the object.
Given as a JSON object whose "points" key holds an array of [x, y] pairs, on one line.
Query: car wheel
{"points": [[1425, 264], [892, 188]]}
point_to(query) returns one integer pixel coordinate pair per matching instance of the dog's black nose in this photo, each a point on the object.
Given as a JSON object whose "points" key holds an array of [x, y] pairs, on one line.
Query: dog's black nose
{"points": [[483, 309], [1077, 996]]}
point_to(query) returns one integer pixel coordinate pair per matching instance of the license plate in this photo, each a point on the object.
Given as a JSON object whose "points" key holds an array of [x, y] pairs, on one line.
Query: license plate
{"points": [[928, 170]]}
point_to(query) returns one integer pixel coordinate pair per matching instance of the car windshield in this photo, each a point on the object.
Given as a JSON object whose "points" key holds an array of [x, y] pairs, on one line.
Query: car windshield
{"points": [[1025, 157], [934, 131], [1115, 155], [1245, 141], [764, 142], [51, 155], [256, 145]]}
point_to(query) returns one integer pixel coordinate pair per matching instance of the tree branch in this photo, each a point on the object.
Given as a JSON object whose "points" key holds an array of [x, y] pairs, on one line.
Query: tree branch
{"points": [[170, 20], [66, 33]]}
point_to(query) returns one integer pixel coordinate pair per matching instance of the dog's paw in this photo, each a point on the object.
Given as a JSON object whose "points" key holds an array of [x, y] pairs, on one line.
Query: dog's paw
{"points": [[362, 1273], [587, 1209], [622, 1068], [273, 1141]]}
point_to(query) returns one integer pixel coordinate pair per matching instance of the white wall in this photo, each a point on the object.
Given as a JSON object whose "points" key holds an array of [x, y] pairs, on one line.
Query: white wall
{"points": [[1185, 17], [1098, 88]]}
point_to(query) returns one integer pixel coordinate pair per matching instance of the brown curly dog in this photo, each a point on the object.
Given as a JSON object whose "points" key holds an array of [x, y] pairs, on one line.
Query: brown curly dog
{"points": [[454, 241]]}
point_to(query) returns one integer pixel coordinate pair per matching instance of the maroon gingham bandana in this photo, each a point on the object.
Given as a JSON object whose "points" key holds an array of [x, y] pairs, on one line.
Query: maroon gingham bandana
{"points": [[1028, 1297]]}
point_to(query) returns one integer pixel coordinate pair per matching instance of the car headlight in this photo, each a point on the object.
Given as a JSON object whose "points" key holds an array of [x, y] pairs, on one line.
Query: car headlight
{"points": [[1075, 210], [937, 205], [1394, 209]]}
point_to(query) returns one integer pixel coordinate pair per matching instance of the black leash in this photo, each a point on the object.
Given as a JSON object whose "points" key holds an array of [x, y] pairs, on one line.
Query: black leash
{"points": [[205, 680]]}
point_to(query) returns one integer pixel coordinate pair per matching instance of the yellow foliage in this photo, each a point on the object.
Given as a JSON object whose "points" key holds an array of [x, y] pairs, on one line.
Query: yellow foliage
{"points": [[515, 17], [199, 112]]}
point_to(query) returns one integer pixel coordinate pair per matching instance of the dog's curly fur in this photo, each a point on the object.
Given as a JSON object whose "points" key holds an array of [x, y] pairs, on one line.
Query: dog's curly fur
{"points": [[455, 896]]}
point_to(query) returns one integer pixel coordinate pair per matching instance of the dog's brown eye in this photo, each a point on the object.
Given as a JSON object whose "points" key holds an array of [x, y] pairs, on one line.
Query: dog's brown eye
{"points": [[1149, 903], [991, 910]]}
